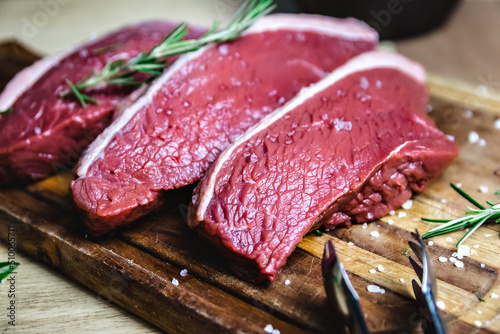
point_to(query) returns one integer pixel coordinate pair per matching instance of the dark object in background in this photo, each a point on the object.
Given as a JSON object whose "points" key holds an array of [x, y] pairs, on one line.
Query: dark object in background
{"points": [[391, 18]]}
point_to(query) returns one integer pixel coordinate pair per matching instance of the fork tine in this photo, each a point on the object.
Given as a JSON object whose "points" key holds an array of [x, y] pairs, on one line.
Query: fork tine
{"points": [[416, 248], [418, 269]]}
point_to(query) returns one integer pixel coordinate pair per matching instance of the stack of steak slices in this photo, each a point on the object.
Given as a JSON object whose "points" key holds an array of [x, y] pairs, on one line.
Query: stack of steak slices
{"points": [[354, 146], [175, 131], [43, 133]]}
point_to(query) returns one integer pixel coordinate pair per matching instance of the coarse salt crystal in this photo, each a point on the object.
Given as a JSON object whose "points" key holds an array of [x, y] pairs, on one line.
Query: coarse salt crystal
{"points": [[483, 265], [380, 267], [442, 259], [372, 271], [223, 49], [365, 225], [430, 243], [184, 272], [476, 246], [440, 304], [374, 234], [287, 282], [402, 214], [350, 243], [392, 212], [390, 221], [449, 239], [459, 185], [268, 329], [479, 312], [450, 137], [402, 280], [374, 289], [175, 281], [407, 205], [370, 215], [276, 331], [482, 142], [452, 259], [468, 113], [459, 264], [483, 189], [494, 296], [444, 200], [497, 124], [463, 250], [478, 323], [487, 235]]}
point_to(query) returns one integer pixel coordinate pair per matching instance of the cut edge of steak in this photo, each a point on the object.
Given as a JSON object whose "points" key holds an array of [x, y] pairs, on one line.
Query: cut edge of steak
{"points": [[101, 190], [408, 168]]}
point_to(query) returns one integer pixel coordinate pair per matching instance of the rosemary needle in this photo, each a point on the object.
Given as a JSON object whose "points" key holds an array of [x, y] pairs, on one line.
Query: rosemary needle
{"points": [[122, 72], [473, 218]]}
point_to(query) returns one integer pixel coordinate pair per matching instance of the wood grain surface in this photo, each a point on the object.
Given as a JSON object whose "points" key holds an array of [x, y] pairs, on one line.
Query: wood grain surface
{"points": [[136, 267]]}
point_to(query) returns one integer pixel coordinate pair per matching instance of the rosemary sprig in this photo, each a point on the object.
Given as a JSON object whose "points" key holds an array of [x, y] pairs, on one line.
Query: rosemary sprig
{"points": [[122, 72], [473, 218], [6, 268]]}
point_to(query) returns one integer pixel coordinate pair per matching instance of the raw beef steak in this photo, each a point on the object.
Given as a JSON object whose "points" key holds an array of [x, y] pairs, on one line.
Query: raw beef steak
{"points": [[350, 148], [169, 137], [44, 133]]}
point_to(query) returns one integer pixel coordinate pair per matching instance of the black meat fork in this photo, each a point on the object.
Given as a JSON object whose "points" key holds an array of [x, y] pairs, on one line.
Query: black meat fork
{"points": [[345, 300]]}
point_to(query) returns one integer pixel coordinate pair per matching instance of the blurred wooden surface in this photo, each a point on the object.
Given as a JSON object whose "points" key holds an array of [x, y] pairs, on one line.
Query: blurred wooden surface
{"points": [[466, 48]]}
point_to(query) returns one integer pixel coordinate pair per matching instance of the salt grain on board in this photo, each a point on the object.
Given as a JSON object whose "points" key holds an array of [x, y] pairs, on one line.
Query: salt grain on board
{"points": [[430, 243], [463, 250], [268, 329], [287, 282], [473, 137], [459, 264], [402, 214], [380, 267], [442, 259], [365, 225], [175, 281], [449, 239], [374, 234], [497, 124], [452, 259], [478, 323], [440, 304], [402, 280], [483, 265], [476, 246], [372, 271], [184, 272], [392, 212], [483, 189], [407, 205], [494, 296], [375, 289], [350, 243], [482, 142], [468, 113], [390, 221]]}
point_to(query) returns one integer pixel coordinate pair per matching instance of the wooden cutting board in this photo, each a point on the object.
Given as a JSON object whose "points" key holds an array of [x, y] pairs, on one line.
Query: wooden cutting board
{"points": [[135, 268]]}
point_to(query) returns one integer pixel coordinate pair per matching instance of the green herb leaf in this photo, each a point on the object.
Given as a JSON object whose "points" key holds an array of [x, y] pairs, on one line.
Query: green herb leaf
{"points": [[121, 72], [473, 218], [497, 192], [6, 268], [318, 233], [481, 300], [405, 251]]}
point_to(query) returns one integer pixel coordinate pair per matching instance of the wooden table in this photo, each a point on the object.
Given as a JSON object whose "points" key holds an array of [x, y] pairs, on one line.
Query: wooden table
{"points": [[465, 49]]}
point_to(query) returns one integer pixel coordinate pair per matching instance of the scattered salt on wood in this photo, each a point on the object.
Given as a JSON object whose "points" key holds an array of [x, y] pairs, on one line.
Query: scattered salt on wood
{"points": [[350, 243], [449, 239], [184, 272], [441, 304], [483, 265], [402, 214], [372, 271], [442, 259], [373, 288], [374, 234], [463, 250], [473, 137], [380, 267], [478, 323], [175, 281], [390, 221], [392, 212], [365, 225], [430, 243], [287, 282], [497, 124], [459, 264], [494, 296]]}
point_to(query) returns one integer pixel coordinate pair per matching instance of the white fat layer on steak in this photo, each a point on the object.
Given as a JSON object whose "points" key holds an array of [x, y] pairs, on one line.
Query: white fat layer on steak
{"points": [[363, 62], [343, 28], [26, 78]]}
